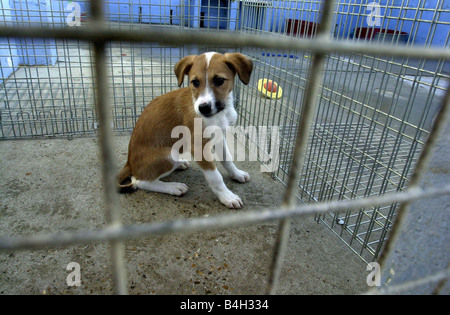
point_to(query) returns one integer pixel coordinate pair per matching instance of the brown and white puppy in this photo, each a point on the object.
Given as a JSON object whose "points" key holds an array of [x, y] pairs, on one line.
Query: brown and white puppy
{"points": [[209, 96]]}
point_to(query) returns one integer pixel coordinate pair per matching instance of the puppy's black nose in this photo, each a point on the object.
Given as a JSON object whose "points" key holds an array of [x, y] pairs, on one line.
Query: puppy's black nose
{"points": [[205, 109]]}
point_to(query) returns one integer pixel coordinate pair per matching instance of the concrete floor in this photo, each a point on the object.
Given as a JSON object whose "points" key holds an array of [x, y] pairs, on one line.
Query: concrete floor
{"points": [[423, 247], [55, 185]]}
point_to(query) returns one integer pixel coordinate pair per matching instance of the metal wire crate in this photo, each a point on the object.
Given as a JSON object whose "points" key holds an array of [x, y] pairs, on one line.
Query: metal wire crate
{"points": [[373, 114]]}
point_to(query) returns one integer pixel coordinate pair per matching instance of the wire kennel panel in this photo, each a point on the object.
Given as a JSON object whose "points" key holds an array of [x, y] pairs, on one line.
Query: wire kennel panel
{"points": [[373, 114], [47, 87], [58, 100]]}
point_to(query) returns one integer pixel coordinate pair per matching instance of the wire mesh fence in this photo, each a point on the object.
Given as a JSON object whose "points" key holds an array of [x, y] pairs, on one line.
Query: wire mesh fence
{"points": [[373, 113]]}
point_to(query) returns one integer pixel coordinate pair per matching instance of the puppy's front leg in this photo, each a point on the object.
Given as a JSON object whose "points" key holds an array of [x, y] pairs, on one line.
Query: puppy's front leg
{"points": [[227, 163], [217, 185]]}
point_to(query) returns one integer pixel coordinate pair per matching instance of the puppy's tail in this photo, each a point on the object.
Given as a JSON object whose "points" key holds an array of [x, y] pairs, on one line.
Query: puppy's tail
{"points": [[125, 182]]}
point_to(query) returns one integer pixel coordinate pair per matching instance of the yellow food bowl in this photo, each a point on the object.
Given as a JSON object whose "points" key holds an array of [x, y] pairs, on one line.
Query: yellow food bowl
{"points": [[270, 88]]}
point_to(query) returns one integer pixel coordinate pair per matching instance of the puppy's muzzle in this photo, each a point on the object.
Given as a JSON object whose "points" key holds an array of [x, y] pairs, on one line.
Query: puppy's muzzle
{"points": [[205, 109], [208, 110]]}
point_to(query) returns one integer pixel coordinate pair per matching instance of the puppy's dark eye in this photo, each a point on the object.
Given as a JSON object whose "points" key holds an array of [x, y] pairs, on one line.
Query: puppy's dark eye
{"points": [[195, 83], [218, 81]]}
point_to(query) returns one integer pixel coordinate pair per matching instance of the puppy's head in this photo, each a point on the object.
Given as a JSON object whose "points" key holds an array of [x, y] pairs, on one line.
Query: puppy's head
{"points": [[211, 79]]}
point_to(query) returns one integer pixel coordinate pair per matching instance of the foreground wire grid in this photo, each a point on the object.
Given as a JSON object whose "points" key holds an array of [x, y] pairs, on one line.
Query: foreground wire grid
{"points": [[371, 120]]}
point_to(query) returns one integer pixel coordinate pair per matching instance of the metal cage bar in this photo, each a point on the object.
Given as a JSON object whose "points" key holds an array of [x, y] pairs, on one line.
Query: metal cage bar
{"points": [[107, 154], [307, 114]]}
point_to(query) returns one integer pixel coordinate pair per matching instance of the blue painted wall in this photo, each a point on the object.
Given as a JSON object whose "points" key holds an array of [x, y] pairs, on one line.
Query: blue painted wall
{"points": [[190, 13], [20, 51], [273, 17], [123, 11], [420, 32], [170, 12], [9, 60], [222, 14], [214, 14], [144, 11], [275, 14], [353, 13], [32, 13]]}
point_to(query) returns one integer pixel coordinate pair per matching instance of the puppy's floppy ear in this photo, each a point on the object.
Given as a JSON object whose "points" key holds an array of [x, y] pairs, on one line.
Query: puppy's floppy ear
{"points": [[241, 65], [182, 68]]}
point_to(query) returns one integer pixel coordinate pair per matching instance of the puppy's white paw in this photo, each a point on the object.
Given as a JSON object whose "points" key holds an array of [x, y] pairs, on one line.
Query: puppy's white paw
{"points": [[230, 200], [241, 176]]}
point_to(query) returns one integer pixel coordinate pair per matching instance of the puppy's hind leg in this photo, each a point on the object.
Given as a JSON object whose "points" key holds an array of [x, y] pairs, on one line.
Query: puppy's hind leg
{"points": [[159, 167], [171, 188]]}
